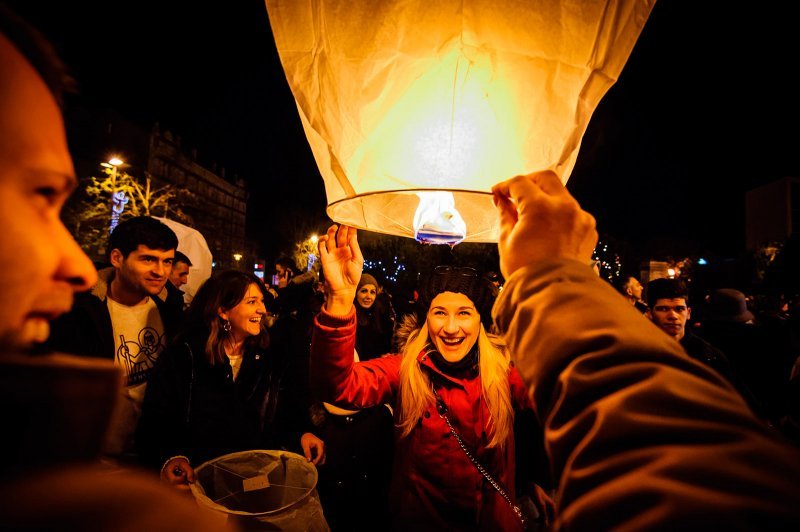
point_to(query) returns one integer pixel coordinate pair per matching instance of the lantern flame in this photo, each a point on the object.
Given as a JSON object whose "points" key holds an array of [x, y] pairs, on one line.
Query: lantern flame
{"points": [[437, 221]]}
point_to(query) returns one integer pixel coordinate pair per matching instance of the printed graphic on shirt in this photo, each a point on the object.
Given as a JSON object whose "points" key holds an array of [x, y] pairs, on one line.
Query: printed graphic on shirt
{"points": [[138, 339], [138, 355]]}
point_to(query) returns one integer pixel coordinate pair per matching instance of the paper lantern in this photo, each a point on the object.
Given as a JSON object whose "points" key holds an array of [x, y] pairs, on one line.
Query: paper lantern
{"points": [[415, 108]]}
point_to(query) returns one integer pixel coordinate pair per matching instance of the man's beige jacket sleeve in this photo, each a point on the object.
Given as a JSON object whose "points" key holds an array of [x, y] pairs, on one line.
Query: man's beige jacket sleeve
{"points": [[640, 436]]}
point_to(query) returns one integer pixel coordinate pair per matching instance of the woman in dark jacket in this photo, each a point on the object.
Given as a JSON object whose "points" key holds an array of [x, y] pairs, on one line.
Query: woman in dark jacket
{"points": [[215, 389], [375, 319]]}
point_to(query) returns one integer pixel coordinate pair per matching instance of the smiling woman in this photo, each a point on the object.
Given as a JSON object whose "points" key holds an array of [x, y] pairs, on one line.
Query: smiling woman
{"points": [[216, 388], [451, 378]]}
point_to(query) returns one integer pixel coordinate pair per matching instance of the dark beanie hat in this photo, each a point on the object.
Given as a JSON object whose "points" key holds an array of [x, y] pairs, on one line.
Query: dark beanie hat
{"points": [[367, 279], [467, 281]]}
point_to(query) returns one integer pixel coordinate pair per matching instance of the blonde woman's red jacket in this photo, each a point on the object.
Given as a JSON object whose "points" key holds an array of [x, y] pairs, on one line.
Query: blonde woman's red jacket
{"points": [[434, 484]]}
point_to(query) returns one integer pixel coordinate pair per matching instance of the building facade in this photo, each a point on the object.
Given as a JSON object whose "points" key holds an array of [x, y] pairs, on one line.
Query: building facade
{"points": [[219, 207], [772, 212]]}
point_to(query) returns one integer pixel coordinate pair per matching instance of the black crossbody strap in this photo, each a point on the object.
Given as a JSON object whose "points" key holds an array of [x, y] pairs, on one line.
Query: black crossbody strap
{"points": [[441, 407]]}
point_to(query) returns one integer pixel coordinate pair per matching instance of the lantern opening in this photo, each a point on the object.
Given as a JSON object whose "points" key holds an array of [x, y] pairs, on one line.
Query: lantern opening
{"points": [[437, 221]]}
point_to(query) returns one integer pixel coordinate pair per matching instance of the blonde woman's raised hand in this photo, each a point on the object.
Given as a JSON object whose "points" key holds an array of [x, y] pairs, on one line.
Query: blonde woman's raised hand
{"points": [[342, 263]]}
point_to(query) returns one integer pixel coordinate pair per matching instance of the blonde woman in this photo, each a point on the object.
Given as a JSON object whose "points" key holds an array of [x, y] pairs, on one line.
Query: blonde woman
{"points": [[449, 367]]}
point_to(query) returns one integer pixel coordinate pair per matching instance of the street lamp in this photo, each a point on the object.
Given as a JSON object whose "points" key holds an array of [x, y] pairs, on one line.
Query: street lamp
{"points": [[118, 199], [237, 257], [312, 257]]}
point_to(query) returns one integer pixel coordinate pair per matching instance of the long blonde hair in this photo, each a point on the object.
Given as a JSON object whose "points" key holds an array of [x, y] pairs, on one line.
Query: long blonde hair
{"points": [[415, 392]]}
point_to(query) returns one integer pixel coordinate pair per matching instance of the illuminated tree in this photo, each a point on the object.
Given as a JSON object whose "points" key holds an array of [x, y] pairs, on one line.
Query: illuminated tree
{"points": [[88, 214]]}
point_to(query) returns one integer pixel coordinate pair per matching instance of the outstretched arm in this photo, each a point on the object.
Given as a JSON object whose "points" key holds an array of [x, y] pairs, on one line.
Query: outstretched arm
{"points": [[639, 435]]}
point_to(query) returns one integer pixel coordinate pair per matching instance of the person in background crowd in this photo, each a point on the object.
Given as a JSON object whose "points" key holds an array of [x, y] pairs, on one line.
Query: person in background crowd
{"points": [[639, 436], [761, 358], [180, 270], [216, 389], [284, 270], [54, 409], [375, 318], [450, 372], [668, 301], [630, 287], [172, 295]]}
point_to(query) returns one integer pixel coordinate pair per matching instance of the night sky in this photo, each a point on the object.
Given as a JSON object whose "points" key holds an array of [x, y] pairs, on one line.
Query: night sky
{"points": [[705, 109]]}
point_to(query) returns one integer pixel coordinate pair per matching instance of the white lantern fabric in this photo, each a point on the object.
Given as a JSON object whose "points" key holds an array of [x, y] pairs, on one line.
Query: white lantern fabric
{"points": [[192, 243], [400, 98]]}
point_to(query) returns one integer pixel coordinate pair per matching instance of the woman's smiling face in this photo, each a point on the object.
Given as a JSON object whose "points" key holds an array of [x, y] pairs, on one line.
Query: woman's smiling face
{"points": [[453, 325], [366, 295], [246, 317]]}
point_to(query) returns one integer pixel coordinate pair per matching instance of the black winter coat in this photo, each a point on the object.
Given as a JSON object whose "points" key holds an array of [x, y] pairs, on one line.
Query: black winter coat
{"points": [[197, 410]]}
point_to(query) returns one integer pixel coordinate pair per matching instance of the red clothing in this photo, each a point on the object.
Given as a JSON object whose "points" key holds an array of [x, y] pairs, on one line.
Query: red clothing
{"points": [[434, 485]]}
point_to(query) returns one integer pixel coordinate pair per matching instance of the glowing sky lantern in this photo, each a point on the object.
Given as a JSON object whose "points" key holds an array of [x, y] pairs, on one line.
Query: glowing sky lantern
{"points": [[415, 108]]}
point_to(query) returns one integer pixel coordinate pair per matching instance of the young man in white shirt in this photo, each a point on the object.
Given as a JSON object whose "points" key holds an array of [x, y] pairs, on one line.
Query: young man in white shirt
{"points": [[122, 319]]}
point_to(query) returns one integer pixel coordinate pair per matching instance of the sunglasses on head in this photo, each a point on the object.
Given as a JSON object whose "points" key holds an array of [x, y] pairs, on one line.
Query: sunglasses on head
{"points": [[464, 271]]}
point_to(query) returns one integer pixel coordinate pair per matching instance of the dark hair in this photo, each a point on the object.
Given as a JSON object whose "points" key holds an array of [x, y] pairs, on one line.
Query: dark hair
{"points": [[480, 290], [223, 290], [38, 51], [666, 289], [144, 231], [180, 257], [621, 283], [286, 263]]}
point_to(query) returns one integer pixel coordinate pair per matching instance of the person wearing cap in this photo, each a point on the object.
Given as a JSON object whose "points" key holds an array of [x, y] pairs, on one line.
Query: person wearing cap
{"points": [[668, 308], [761, 358], [449, 372]]}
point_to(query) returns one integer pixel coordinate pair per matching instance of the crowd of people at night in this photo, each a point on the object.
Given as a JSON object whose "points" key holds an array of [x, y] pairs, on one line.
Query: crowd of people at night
{"points": [[556, 402]]}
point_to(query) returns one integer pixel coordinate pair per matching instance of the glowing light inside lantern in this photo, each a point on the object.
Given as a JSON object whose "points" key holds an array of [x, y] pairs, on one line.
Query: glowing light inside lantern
{"points": [[437, 221], [455, 127]]}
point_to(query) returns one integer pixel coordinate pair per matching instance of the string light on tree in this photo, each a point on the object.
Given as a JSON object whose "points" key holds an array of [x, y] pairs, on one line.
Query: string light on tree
{"points": [[389, 272], [608, 262]]}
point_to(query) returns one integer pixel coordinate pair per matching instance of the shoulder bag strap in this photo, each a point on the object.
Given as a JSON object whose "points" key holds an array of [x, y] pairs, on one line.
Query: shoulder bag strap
{"points": [[441, 407]]}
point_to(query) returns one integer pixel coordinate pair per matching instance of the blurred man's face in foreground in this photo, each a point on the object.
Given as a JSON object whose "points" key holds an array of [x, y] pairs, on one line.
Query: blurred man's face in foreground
{"points": [[41, 266]]}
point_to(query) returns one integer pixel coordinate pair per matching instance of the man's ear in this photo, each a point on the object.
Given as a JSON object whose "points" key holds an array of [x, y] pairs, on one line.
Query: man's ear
{"points": [[688, 313], [649, 314], [116, 258]]}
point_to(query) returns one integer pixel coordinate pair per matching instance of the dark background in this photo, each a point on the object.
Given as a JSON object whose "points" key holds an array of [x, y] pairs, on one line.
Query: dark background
{"points": [[706, 108]]}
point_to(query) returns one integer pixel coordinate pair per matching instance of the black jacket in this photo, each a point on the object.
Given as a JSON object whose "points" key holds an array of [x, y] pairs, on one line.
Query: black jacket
{"points": [[702, 351], [86, 329], [197, 410], [375, 328]]}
